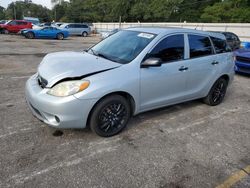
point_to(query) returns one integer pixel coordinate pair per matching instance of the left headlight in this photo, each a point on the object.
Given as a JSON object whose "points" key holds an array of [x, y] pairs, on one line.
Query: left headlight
{"points": [[68, 88]]}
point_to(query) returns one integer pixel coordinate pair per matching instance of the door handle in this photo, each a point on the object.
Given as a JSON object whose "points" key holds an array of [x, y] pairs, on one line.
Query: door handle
{"points": [[182, 68], [215, 63]]}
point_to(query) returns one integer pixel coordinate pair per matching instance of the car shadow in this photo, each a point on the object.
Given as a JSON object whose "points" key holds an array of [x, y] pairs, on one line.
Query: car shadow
{"points": [[137, 119]]}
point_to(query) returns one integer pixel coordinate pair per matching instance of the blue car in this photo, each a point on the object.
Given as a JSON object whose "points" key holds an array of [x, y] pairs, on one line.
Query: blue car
{"points": [[242, 61], [46, 32]]}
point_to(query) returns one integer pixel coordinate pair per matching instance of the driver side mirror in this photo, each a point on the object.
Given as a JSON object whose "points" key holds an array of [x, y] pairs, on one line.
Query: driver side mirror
{"points": [[151, 62]]}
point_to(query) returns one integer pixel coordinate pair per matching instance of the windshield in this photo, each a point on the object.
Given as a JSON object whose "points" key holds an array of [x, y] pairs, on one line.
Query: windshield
{"points": [[8, 22], [123, 46]]}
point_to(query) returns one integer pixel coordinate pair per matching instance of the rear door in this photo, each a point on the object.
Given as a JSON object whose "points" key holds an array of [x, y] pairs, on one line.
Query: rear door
{"points": [[22, 25], [71, 28], [165, 84], [203, 65], [78, 29]]}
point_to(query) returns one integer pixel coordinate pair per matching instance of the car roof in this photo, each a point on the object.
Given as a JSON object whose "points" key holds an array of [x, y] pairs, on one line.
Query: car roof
{"points": [[168, 30]]}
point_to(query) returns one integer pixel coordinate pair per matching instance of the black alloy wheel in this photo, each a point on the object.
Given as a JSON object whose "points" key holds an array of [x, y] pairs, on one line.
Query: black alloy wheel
{"points": [[110, 116], [217, 92]]}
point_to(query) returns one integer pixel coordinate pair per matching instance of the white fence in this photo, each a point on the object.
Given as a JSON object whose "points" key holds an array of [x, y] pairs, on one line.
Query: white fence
{"points": [[242, 30]]}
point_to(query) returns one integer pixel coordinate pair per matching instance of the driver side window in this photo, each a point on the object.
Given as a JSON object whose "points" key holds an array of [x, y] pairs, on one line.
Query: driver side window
{"points": [[170, 49]]}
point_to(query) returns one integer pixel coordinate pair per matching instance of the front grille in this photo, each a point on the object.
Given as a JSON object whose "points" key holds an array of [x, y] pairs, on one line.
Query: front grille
{"points": [[41, 81], [243, 59]]}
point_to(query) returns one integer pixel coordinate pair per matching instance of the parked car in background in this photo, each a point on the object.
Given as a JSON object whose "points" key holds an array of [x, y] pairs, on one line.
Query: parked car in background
{"points": [[57, 24], [34, 27], [46, 32], [33, 20], [242, 61], [232, 39], [132, 71], [109, 33], [245, 45], [77, 29], [15, 26]]}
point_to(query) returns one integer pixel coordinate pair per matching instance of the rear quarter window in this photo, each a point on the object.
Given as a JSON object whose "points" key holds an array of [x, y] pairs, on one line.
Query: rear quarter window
{"points": [[220, 45], [199, 46]]}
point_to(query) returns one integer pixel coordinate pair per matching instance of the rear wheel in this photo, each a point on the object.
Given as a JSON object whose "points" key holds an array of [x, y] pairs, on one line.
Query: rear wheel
{"points": [[30, 35], [217, 92], [84, 34], [110, 116], [60, 36]]}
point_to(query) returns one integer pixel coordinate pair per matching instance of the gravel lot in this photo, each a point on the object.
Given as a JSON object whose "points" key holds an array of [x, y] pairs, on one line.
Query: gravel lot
{"points": [[186, 145]]}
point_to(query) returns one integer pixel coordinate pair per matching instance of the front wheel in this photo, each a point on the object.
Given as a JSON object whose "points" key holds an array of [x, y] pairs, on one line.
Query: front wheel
{"points": [[217, 92], [60, 36], [110, 116]]}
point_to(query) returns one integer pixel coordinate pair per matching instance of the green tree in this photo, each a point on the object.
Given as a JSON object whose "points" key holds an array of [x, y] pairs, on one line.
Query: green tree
{"points": [[20, 9], [2, 13], [227, 11]]}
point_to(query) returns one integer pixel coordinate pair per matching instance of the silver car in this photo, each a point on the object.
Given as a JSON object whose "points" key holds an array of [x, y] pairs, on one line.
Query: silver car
{"points": [[77, 29], [132, 71]]}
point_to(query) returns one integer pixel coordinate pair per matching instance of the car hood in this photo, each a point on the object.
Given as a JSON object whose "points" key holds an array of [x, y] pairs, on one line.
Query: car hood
{"points": [[243, 53], [67, 65]]}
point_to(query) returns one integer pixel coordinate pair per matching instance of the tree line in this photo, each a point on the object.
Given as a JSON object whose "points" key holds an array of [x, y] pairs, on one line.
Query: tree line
{"points": [[134, 11]]}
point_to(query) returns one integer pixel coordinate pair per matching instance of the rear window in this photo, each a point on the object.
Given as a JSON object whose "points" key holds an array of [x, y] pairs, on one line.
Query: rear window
{"points": [[199, 46], [220, 45]]}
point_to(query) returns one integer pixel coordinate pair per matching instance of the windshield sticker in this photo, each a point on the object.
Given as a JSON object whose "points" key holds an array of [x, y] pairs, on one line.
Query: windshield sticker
{"points": [[146, 35]]}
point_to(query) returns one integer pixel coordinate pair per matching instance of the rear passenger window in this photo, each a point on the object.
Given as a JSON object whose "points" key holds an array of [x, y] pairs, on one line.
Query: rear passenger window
{"points": [[84, 26], [199, 46], [170, 49], [220, 45]]}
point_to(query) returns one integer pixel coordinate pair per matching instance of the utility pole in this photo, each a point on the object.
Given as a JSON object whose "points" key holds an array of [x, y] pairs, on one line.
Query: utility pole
{"points": [[14, 7]]}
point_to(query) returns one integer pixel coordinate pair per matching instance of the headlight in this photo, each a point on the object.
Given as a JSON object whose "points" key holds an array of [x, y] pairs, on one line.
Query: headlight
{"points": [[68, 88]]}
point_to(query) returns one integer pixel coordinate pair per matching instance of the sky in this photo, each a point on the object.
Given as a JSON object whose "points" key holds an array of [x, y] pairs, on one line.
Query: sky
{"points": [[47, 3]]}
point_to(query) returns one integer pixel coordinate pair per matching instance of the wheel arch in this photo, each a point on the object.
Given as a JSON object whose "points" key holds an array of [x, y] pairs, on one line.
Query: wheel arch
{"points": [[124, 94], [225, 76], [32, 33]]}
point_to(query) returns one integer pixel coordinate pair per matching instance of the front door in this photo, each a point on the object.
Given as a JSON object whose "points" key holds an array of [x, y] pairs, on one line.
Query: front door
{"points": [[166, 84]]}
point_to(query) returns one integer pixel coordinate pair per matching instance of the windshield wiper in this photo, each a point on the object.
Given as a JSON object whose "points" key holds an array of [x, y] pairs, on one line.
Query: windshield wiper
{"points": [[92, 51], [100, 55]]}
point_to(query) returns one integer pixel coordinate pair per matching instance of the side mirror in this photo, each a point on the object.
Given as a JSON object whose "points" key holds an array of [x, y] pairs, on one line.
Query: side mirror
{"points": [[151, 62]]}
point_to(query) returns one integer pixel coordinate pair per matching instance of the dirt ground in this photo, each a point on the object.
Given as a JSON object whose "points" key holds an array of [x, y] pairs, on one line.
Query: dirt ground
{"points": [[185, 145]]}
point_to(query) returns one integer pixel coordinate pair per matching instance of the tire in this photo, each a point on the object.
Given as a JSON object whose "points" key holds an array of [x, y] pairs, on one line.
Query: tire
{"points": [[60, 36], [84, 34], [217, 92], [5, 31], [110, 116], [30, 35]]}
